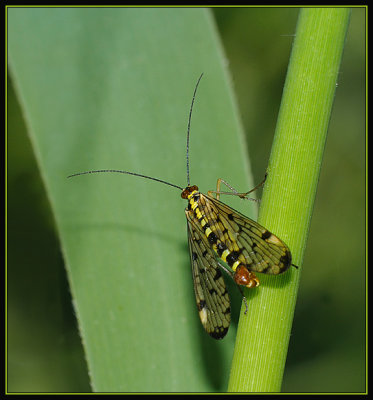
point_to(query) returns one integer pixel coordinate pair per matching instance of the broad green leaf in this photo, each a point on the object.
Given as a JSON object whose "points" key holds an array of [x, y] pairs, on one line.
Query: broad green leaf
{"points": [[111, 88]]}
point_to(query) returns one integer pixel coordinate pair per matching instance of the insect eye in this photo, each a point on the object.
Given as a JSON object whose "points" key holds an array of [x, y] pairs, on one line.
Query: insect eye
{"points": [[188, 190]]}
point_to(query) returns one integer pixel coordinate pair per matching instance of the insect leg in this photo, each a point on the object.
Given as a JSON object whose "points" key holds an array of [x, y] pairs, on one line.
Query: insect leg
{"points": [[255, 188], [218, 192], [233, 190]]}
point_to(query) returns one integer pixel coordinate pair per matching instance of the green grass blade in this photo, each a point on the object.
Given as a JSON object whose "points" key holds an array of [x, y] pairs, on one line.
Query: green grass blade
{"points": [[288, 198], [111, 88]]}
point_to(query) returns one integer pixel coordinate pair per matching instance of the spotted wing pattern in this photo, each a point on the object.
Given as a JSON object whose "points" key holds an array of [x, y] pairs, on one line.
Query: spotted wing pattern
{"points": [[209, 287], [260, 250]]}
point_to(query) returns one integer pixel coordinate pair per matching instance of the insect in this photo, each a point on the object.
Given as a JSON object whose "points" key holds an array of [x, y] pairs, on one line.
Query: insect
{"points": [[221, 238]]}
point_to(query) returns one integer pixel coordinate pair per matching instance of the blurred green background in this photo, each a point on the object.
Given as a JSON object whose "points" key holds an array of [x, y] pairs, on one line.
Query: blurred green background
{"points": [[327, 348]]}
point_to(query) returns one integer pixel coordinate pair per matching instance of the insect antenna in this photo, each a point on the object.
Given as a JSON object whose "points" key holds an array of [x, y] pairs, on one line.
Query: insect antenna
{"points": [[125, 172], [190, 118], [149, 177]]}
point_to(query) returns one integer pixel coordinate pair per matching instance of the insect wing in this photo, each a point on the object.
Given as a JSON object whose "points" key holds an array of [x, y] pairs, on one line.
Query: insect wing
{"points": [[209, 287], [263, 252]]}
